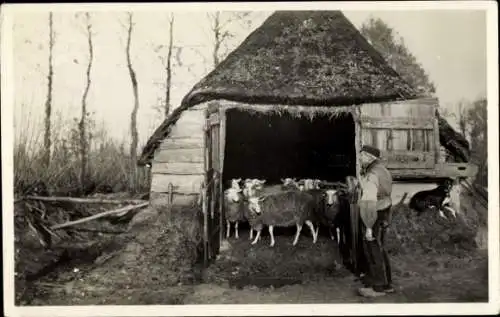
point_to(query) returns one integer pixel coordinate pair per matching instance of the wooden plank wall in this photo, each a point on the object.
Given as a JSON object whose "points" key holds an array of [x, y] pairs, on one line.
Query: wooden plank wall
{"points": [[403, 131], [179, 158]]}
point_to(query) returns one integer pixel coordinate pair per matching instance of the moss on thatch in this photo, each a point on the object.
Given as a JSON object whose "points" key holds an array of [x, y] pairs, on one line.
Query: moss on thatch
{"points": [[303, 63], [306, 58]]}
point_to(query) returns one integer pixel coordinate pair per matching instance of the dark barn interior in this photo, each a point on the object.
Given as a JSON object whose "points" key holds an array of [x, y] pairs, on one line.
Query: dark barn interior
{"points": [[272, 146]]}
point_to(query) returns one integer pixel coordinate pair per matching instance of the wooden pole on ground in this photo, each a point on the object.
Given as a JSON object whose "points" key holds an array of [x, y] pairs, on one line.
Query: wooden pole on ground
{"points": [[85, 200], [100, 215]]}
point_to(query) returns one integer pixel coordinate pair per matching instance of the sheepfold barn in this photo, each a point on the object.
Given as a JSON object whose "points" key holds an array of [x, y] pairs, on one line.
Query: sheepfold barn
{"points": [[297, 98]]}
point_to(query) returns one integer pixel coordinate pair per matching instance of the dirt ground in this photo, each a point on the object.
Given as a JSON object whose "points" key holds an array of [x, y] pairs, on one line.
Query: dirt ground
{"points": [[440, 269], [259, 274]]}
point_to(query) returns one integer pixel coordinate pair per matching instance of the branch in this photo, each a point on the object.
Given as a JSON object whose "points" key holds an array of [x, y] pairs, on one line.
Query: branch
{"points": [[84, 200], [100, 215], [169, 66]]}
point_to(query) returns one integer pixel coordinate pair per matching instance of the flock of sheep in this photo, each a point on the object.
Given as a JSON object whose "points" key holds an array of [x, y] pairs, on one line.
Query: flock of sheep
{"points": [[313, 202], [290, 203]]}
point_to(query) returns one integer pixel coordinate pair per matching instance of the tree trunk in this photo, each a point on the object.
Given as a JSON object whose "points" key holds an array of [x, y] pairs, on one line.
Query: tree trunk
{"points": [[218, 38], [82, 123], [168, 86], [133, 116], [48, 102]]}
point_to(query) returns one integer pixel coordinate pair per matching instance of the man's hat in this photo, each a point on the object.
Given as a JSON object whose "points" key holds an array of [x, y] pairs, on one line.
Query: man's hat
{"points": [[371, 150]]}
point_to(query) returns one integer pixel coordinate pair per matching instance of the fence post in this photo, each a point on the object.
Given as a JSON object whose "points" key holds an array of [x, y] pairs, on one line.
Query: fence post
{"points": [[170, 194]]}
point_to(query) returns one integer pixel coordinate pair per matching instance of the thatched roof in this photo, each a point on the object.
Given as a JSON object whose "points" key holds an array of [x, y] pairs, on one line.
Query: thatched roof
{"points": [[307, 58], [296, 58], [303, 57]]}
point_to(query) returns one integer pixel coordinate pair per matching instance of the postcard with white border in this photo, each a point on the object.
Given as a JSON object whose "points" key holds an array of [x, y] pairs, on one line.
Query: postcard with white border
{"points": [[248, 159]]}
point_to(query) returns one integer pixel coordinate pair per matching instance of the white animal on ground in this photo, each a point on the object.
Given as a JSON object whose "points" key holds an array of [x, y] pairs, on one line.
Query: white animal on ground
{"points": [[281, 209], [233, 200], [451, 202]]}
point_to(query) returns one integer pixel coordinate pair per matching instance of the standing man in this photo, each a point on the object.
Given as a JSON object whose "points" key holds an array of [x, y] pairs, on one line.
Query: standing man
{"points": [[375, 209]]}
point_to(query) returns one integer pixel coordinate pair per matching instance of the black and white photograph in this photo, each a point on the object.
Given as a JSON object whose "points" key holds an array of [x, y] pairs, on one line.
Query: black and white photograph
{"points": [[235, 158]]}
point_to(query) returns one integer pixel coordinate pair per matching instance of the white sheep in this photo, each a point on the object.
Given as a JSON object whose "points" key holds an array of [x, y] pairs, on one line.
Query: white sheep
{"points": [[235, 183], [281, 209], [233, 201]]}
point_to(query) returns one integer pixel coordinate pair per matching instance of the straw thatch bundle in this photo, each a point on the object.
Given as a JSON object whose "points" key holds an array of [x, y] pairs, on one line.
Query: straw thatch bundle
{"points": [[296, 58]]}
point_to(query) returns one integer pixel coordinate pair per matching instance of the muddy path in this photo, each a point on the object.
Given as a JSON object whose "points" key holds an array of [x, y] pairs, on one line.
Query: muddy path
{"points": [[246, 274], [433, 261]]}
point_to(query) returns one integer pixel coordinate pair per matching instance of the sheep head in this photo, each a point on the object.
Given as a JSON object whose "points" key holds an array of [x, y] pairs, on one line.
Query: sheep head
{"points": [[331, 196], [233, 194], [235, 183], [254, 204], [309, 184]]}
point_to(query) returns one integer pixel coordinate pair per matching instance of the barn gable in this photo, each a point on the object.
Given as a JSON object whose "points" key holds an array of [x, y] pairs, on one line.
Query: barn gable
{"points": [[304, 62], [306, 58]]}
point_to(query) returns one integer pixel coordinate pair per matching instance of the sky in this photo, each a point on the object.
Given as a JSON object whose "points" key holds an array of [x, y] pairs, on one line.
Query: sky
{"points": [[450, 45]]}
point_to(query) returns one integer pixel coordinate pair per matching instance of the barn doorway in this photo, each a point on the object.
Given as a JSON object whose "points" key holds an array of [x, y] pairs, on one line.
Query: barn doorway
{"points": [[274, 146]]}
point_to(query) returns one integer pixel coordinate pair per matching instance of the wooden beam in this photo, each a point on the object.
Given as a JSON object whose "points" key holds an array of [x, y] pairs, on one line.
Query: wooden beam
{"points": [[100, 215], [177, 168], [181, 143], [194, 155], [437, 143], [441, 170], [86, 200], [395, 123], [183, 184]]}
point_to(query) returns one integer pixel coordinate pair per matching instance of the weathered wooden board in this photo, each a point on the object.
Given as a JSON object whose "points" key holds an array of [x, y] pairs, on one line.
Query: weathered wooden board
{"points": [[400, 139], [396, 122], [408, 159], [194, 130], [160, 200], [441, 170], [177, 168], [194, 155], [182, 143], [183, 184], [420, 108], [190, 124]]}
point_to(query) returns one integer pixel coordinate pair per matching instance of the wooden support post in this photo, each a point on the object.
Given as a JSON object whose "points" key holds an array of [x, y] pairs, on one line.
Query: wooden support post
{"points": [[170, 194]]}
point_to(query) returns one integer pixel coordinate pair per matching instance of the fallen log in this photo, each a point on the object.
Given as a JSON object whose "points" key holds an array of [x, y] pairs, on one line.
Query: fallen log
{"points": [[100, 215], [99, 230], [86, 200]]}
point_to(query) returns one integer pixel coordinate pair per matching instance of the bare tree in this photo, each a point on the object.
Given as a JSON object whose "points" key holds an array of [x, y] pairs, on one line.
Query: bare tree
{"points": [[48, 100], [219, 27], [82, 123], [168, 69], [133, 116]]}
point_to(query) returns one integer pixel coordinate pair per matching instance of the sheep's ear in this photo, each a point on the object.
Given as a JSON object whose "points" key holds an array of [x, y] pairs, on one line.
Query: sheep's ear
{"points": [[282, 180], [260, 199]]}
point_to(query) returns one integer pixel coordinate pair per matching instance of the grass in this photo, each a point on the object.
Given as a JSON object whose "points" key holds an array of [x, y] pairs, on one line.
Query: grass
{"points": [[108, 160]]}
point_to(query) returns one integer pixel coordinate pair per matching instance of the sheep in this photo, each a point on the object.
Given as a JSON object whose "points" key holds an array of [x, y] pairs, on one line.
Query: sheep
{"points": [[433, 199], [233, 203], [235, 183], [289, 183], [281, 209], [327, 207]]}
